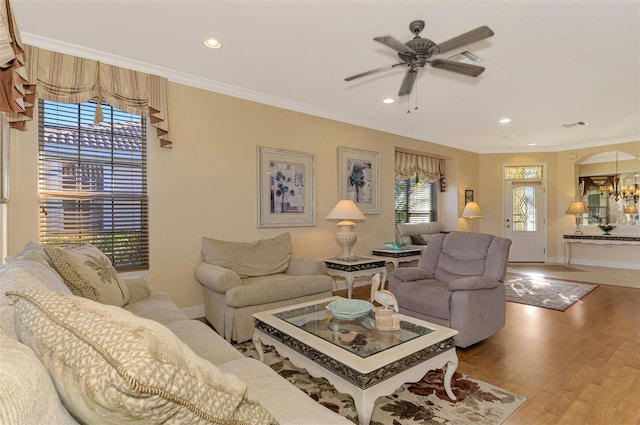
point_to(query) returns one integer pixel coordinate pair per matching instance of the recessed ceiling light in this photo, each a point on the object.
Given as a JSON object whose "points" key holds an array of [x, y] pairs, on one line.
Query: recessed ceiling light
{"points": [[531, 144], [505, 120], [212, 43], [388, 100]]}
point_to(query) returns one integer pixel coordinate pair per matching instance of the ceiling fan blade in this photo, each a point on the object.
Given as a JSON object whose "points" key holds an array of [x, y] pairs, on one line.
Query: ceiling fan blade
{"points": [[408, 82], [373, 71], [396, 45], [459, 67], [469, 37]]}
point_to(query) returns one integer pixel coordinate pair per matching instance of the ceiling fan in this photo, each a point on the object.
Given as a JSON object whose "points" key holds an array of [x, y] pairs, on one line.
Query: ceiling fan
{"points": [[416, 53]]}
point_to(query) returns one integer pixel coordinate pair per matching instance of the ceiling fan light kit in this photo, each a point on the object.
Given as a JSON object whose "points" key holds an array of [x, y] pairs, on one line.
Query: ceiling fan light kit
{"points": [[417, 52]]}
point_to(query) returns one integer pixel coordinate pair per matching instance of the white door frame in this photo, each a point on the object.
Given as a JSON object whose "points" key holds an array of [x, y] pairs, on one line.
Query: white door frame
{"points": [[539, 254]]}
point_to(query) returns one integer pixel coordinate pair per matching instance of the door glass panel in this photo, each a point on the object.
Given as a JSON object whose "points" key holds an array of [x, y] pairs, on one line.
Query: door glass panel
{"points": [[524, 209]]}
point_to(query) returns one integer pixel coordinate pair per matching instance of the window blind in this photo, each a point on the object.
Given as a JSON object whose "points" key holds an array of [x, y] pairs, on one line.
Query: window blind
{"points": [[93, 181], [416, 201]]}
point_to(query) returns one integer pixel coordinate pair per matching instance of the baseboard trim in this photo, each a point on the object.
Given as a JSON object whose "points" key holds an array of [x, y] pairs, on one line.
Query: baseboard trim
{"points": [[596, 263]]}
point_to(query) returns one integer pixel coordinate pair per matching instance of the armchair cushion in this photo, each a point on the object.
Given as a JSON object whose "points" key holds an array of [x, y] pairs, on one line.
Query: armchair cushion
{"points": [[300, 266], [407, 274], [472, 283], [261, 290], [259, 258]]}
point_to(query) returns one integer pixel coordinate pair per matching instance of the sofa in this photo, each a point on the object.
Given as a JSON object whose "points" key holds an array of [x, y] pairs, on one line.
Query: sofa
{"points": [[81, 344], [417, 235], [458, 284], [243, 278]]}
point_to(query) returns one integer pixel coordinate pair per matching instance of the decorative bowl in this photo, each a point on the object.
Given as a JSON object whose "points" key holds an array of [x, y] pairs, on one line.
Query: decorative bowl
{"points": [[606, 228], [349, 309], [395, 245]]}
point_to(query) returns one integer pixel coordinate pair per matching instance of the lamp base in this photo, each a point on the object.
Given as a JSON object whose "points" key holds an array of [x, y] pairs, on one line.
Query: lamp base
{"points": [[346, 237], [578, 230]]}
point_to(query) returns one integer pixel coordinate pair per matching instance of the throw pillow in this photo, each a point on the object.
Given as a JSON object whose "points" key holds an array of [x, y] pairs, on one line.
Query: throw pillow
{"points": [[260, 258], [418, 240], [89, 274], [112, 367], [31, 251], [26, 274]]}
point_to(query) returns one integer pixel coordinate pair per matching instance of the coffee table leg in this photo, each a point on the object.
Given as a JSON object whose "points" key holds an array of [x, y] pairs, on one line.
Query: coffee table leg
{"points": [[258, 345], [364, 407], [452, 365]]}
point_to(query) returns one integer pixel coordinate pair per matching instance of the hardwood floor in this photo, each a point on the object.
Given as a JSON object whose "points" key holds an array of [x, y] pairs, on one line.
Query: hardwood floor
{"points": [[581, 366]]}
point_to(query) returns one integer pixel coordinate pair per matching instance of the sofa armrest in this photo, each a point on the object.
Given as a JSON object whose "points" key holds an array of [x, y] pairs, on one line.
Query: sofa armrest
{"points": [[302, 266], [216, 278], [471, 283], [407, 274], [138, 289]]}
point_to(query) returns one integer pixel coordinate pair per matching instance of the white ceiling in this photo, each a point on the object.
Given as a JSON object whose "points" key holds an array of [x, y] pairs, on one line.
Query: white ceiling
{"points": [[550, 62]]}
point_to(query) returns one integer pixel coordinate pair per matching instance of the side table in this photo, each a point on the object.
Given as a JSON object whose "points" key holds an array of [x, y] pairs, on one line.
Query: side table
{"points": [[361, 266], [397, 256]]}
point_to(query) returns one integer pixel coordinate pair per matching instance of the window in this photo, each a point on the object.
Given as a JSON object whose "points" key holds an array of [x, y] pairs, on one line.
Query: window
{"points": [[93, 181], [416, 201]]}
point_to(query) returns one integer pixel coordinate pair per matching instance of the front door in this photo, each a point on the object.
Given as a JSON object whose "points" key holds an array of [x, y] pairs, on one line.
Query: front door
{"points": [[524, 220]]}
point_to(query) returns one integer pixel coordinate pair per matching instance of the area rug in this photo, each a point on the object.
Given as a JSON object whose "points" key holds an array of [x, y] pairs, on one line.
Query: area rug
{"points": [[549, 268], [545, 292], [421, 403]]}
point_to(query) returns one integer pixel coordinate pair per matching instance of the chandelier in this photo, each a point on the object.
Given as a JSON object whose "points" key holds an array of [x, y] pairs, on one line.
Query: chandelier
{"points": [[617, 192]]}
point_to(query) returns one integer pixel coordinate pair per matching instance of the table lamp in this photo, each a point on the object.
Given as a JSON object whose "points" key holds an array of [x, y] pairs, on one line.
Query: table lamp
{"points": [[577, 208], [345, 211], [471, 211]]}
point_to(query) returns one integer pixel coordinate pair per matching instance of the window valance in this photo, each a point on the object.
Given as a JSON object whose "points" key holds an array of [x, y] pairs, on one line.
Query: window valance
{"points": [[16, 95], [69, 79], [427, 168], [588, 182]]}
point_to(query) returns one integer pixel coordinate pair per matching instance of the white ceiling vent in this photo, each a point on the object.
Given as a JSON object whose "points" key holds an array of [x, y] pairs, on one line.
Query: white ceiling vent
{"points": [[465, 57], [574, 124]]}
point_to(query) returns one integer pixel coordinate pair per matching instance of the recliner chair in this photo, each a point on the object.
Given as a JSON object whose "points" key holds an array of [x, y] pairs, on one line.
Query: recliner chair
{"points": [[458, 284]]}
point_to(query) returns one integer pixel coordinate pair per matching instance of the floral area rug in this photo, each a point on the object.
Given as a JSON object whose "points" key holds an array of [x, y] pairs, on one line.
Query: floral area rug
{"points": [[421, 403], [545, 292]]}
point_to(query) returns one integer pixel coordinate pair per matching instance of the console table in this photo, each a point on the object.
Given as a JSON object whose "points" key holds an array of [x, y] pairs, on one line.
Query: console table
{"points": [[606, 240]]}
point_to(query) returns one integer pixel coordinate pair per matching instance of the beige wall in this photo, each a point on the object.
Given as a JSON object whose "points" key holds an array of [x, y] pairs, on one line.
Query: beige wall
{"points": [[206, 184]]}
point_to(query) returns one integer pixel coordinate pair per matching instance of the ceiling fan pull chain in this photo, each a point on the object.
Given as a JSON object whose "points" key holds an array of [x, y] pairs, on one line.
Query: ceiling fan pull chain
{"points": [[416, 98], [408, 104]]}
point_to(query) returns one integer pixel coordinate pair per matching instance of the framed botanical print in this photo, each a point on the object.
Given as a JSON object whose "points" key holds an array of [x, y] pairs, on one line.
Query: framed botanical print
{"points": [[286, 193], [359, 178]]}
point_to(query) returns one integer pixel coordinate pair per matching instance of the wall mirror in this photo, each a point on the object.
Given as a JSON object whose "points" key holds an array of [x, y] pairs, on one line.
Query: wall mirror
{"points": [[608, 183]]}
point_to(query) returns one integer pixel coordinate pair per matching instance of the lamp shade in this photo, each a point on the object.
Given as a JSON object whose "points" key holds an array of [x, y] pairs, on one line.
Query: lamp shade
{"points": [[630, 209], [576, 207], [346, 210], [471, 210]]}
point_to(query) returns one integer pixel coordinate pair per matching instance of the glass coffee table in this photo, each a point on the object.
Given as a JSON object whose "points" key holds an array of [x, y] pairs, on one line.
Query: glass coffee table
{"points": [[355, 357]]}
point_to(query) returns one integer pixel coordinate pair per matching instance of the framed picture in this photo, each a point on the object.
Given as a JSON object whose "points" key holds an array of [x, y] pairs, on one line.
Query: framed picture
{"points": [[286, 193], [468, 195], [359, 178]]}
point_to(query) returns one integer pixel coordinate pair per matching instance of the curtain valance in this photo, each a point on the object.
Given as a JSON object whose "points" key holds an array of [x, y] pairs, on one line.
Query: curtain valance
{"points": [[427, 168], [65, 78], [588, 182], [16, 95]]}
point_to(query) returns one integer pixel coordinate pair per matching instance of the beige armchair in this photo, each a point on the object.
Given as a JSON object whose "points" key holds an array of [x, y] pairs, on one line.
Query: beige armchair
{"points": [[240, 279], [458, 284]]}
